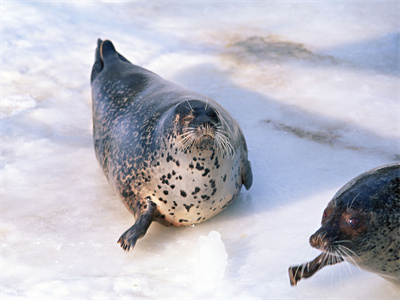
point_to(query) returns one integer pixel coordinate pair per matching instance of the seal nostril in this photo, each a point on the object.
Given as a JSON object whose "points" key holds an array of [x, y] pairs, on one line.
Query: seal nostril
{"points": [[319, 241]]}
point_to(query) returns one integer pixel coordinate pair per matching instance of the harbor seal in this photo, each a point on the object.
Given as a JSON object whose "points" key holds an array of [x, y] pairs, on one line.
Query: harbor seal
{"points": [[172, 155], [361, 225]]}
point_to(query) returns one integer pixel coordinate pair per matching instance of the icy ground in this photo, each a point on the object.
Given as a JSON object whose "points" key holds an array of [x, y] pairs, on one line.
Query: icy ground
{"points": [[314, 86]]}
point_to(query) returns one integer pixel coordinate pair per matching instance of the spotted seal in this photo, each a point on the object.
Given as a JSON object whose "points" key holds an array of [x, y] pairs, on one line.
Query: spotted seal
{"points": [[361, 224], [173, 156]]}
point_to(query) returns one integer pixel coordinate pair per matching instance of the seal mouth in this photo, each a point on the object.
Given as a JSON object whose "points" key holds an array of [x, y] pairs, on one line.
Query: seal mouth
{"points": [[205, 142], [204, 128], [202, 137], [205, 137]]}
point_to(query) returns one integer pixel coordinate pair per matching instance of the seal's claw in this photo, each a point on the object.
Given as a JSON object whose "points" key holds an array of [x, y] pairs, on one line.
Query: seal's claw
{"points": [[144, 217], [294, 276], [127, 243]]}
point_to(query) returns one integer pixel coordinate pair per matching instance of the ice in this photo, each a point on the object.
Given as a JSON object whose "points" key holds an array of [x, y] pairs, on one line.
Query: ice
{"points": [[314, 86], [212, 260]]}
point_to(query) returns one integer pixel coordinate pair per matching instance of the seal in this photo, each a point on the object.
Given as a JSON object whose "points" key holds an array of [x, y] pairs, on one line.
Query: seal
{"points": [[361, 225], [172, 155]]}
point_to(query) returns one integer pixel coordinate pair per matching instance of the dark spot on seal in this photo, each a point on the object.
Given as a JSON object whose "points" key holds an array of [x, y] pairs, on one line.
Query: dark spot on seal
{"points": [[205, 197], [206, 171], [196, 190], [199, 167], [183, 193], [188, 207]]}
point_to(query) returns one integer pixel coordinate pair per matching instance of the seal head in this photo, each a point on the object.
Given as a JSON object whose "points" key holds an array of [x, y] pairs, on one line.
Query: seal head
{"points": [[172, 155]]}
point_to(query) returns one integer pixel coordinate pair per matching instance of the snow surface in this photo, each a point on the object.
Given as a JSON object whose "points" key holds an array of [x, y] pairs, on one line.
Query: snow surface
{"points": [[314, 86]]}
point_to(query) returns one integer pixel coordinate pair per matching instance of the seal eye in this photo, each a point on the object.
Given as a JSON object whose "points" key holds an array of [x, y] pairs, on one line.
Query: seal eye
{"points": [[354, 222]]}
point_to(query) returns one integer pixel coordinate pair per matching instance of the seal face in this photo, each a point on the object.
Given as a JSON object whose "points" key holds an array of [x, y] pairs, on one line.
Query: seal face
{"points": [[173, 156], [361, 224]]}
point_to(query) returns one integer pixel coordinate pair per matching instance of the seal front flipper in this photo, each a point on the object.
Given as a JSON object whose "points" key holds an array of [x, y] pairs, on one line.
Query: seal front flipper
{"points": [[247, 176], [143, 219], [296, 273]]}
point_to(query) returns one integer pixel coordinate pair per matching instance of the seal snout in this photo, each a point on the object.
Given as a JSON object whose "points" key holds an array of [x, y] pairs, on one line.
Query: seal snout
{"points": [[205, 118], [321, 240]]}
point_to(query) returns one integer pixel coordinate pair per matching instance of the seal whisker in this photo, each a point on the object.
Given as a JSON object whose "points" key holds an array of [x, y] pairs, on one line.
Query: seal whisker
{"points": [[348, 253], [205, 108], [344, 254], [351, 203], [223, 141], [190, 107]]}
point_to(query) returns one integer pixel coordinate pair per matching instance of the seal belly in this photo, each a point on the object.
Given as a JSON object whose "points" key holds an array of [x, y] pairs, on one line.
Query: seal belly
{"points": [[191, 189]]}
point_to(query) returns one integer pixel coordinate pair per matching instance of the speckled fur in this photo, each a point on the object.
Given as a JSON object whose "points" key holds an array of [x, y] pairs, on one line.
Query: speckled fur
{"points": [[135, 129], [374, 199]]}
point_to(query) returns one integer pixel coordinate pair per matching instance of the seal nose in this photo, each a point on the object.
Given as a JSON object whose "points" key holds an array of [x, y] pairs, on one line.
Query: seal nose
{"points": [[320, 240], [205, 117]]}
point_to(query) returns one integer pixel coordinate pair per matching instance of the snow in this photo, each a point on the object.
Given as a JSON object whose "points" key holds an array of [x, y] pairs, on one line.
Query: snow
{"points": [[314, 86]]}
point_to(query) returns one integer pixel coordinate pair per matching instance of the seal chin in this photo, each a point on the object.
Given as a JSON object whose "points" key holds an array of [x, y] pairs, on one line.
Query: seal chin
{"points": [[206, 142]]}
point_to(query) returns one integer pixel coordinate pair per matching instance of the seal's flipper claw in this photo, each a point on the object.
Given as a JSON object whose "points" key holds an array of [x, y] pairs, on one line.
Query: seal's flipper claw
{"points": [[144, 218], [296, 273]]}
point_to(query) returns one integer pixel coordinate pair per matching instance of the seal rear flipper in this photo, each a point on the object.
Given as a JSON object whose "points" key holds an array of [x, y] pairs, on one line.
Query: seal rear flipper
{"points": [[108, 53], [247, 175], [144, 217], [98, 62]]}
